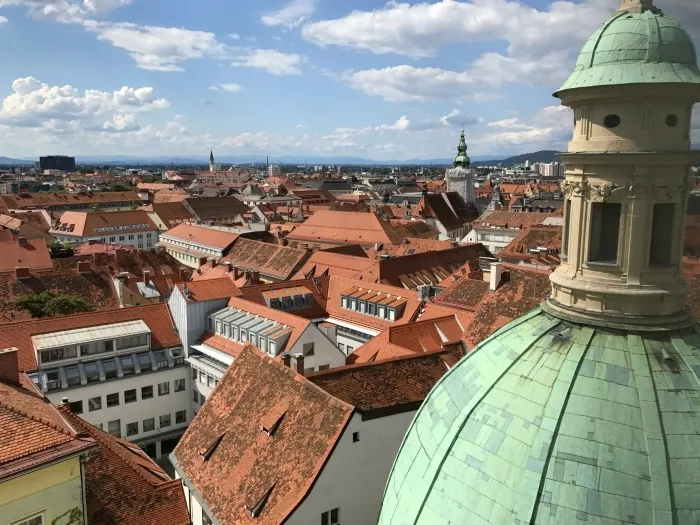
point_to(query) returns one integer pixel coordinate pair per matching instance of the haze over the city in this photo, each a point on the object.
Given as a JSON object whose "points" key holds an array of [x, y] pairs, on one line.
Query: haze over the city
{"points": [[302, 78]]}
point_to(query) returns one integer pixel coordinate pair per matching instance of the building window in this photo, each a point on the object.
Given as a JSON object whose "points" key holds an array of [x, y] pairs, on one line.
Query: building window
{"points": [[147, 392], [139, 236], [112, 239], [195, 395], [180, 416], [131, 237], [605, 232], [37, 519], [355, 437], [661, 234], [132, 429], [145, 362], [113, 400], [202, 378], [349, 349], [194, 373], [323, 367], [127, 365], [179, 385], [95, 403], [115, 428], [72, 375], [202, 398], [130, 396], [92, 373], [165, 421], [149, 424], [210, 381], [110, 368], [76, 407], [341, 347], [164, 388], [308, 349], [121, 238], [206, 520], [332, 517]]}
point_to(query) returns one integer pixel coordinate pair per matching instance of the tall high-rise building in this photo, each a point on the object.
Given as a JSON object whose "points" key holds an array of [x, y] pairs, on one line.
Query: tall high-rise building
{"points": [[460, 178], [57, 162], [586, 409]]}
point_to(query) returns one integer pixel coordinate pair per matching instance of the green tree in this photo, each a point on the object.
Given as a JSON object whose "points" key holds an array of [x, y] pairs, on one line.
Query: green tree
{"points": [[96, 208], [49, 304]]}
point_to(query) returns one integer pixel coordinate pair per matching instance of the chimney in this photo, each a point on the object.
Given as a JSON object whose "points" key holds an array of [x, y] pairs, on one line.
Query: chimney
{"points": [[183, 273], [121, 256], [299, 364], [202, 261], [423, 292], [9, 366], [83, 267], [255, 277], [287, 359], [211, 262], [146, 277], [22, 241], [122, 277], [495, 277], [236, 273], [378, 246], [22, 272]]}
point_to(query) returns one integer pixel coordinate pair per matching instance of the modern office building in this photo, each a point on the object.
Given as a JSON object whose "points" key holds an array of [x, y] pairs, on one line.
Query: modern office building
{"points": [[57, 162]]}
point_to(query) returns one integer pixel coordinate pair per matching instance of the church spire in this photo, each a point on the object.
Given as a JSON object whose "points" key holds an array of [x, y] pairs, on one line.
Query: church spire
{"points": [[461, 160]]}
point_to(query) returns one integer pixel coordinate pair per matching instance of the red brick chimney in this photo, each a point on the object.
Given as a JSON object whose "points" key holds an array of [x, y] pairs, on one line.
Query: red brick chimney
{"points": [[22, 272], [9, 366], [299, 364], [287, 360], [121, 256], [22, 241], [84, 267], [211, 262], [254, 277], [146, 277]]}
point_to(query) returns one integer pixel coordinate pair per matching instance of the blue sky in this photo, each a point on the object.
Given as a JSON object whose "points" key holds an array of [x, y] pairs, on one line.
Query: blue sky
{"points": [[301, 77]]}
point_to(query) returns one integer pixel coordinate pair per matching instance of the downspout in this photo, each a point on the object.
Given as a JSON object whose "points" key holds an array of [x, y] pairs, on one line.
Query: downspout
{"points": [[83, 488]]}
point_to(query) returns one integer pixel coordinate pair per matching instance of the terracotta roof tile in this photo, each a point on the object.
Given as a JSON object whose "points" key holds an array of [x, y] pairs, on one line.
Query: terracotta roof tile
{"points": [[533, 237], [84, 224], [247, 464], [43, 200], [511, 219], [222, 344], [272, 260], [156, 316], [318, 286], [327, 263], [125, 486], [33, 254], [296, 323], [209, 289], [402, 381], [201, 234]]}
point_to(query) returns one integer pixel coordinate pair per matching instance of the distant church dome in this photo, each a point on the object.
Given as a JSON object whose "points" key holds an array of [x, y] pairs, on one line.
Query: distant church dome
{"points": [[636, 48], [461, 160]]}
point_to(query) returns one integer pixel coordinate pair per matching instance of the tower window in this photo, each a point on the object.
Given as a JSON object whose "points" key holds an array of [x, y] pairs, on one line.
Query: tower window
{"points": [[605, 232], [672, 121], [567, 222], [661, 236], [612, 121]]}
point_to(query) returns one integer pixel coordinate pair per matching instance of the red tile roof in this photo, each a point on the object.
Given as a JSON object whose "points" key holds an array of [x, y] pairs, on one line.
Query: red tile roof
{"points": [[33, 254], [521, 289], [125, 486], [398, 383], [533, 237], [511, 219], [156, 316], [296, 323], [271, 260], [222, 344], [209, 289], [318, 287], [43, 200], [83, 224], [246, 464], [327, 263], [32, 431], [202, 235], [410, 246]]}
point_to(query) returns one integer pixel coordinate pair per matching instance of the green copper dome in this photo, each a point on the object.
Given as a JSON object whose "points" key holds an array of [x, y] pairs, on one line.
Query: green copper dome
{"points": [[461, 160], [634, 48], [550, 422]]}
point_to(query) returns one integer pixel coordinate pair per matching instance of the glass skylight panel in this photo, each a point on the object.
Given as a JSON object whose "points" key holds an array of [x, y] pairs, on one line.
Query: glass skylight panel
{"points": [[145, 362], [92, 372]]}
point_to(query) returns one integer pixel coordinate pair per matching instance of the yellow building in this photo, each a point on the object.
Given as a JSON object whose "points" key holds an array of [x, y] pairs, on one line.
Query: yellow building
{"points": [[42, 456]]}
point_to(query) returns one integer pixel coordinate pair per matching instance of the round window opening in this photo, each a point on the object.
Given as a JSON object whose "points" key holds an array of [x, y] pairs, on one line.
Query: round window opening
{"points": [[672, 121], [612, 121]]}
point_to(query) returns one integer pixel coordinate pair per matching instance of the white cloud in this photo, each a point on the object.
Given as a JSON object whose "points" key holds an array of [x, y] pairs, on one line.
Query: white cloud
{"points": [[231, 88], [33, 102], [302, 126], [271, 60], [68, 11], [401, 83], [157, 48], [291, 14], [118, 124], [453, 119], [251, 141], [3, 20], [233, 36], [549, 128]]}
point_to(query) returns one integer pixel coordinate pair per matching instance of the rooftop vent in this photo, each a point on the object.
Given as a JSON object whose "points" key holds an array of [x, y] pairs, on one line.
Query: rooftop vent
{"points": [[207, 453]]}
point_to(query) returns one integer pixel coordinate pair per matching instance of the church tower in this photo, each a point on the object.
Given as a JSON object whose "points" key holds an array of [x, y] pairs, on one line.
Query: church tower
{"points": [[211, 160], [460, 178], [586, 409]]}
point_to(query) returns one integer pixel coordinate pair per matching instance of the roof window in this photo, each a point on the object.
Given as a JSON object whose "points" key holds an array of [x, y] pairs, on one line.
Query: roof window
{"points": [[207, 453], [256, 509]]}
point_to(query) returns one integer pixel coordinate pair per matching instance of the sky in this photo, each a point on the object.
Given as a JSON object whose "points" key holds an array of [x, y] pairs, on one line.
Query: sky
{"points": [[313, 78]]}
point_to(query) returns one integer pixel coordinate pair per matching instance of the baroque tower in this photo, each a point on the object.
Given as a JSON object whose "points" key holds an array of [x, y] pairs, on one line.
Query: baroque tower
{"points": [[211, 160], [586, 409], [460, 178]]}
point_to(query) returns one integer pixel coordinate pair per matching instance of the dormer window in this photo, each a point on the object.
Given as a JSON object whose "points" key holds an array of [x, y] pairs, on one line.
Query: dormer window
{"points": [[382, 312], [344, 302], [392, 314]]}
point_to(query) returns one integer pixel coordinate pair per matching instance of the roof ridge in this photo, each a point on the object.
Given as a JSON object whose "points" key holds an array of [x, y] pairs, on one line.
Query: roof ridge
{"points": [[433, 320], [45, 320], [355, 366]]}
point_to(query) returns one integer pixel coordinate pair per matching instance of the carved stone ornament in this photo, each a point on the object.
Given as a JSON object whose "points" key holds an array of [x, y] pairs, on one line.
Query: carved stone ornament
{"points": [[576, 189], [666, 194]]}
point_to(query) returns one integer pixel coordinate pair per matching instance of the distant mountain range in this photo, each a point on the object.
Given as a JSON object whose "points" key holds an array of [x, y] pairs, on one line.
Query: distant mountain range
{"points": [[129, 160]]}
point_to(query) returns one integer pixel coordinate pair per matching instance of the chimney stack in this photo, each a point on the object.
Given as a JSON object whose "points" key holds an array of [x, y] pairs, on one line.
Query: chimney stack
{"points": [[495, 277], [299, 364], [287, 359], [121, 256], [9, 365], [378, 246], [255, 277], [83, 267], [183, 273], [22, 241], [22, 272], [211, 262], [236, 274], [146, 277]]}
